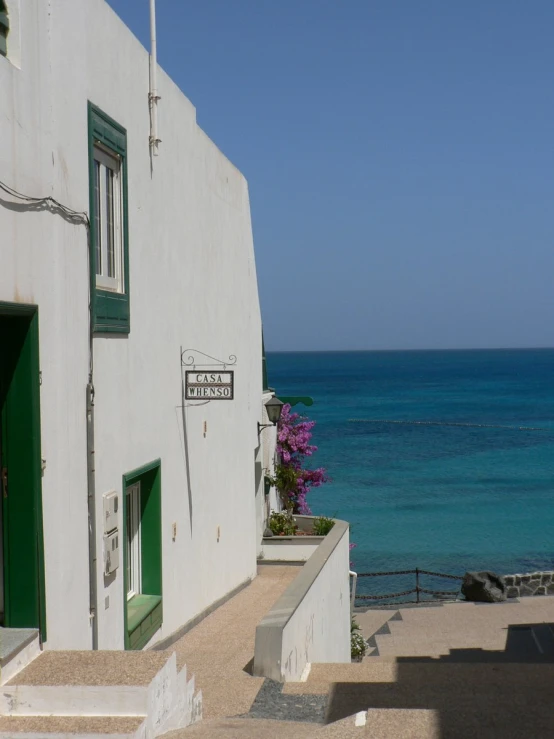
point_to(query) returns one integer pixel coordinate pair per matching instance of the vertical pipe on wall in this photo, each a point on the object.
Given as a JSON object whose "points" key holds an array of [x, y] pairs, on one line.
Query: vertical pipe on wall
{"points": [[153, 96], [91, 485]]}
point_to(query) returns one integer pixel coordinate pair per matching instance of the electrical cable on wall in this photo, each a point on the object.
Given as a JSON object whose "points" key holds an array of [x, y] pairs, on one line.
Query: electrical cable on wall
{"points": [[52, 203], [78, 217]]}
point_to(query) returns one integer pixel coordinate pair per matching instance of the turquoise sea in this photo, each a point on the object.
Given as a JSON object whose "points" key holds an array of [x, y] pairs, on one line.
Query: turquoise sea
{"points": [[442, 460]]}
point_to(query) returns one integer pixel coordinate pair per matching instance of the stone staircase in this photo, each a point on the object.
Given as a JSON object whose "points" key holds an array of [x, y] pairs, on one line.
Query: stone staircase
{"points": [[417, 699], [447, 672], [453, 671], [515, 631], [131, 695]]}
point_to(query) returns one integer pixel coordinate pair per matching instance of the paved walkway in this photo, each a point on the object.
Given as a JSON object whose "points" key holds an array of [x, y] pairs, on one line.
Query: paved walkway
{"points": [[454, 671], [218, 650]]}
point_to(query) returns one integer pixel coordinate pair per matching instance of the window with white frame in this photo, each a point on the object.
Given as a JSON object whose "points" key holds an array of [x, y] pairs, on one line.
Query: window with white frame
{"points": [[109, 232], [108, 220], [133, 541]]}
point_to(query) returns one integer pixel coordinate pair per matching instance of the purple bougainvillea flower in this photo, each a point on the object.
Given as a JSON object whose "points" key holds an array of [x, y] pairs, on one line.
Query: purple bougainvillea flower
{"points": [[294, 433]]}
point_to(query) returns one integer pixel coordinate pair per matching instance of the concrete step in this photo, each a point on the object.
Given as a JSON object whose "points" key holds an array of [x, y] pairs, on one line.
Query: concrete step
{"points": [[516, 629], [468, 700], [435, 699], [512, 642], [394, 672], [405, 639], [371, 621], [385, 723], [74, 684], [18, 648], [71, 727], [351, 727], [247, 728], [93, 683], [322, 676], [429, 699]]}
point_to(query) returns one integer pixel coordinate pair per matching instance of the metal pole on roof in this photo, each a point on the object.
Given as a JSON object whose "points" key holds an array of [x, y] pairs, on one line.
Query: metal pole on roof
{"points": [[153, 96]]}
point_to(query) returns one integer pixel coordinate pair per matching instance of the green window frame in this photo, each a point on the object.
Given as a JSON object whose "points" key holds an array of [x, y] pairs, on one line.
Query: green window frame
{"points": [[143, 612], [110, 307], [4, 28]]}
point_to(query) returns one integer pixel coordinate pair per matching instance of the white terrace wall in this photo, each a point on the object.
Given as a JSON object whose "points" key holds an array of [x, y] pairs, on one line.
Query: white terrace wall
{"points": [[310, 622], [192, 284]]}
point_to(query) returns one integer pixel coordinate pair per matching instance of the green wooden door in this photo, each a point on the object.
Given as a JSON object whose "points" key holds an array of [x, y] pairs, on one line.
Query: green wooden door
{"points": [[20, 461]]}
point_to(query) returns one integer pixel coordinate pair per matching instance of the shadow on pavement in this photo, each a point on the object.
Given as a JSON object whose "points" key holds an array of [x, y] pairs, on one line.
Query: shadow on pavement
{"points": [[473, 692]]}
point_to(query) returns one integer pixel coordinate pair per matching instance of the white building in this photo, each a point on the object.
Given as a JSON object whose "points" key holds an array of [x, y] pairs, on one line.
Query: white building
{"points": [[92, 400]]}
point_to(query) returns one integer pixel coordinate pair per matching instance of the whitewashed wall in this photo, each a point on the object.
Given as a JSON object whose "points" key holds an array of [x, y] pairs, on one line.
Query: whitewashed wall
{"points": [[193, 284]]}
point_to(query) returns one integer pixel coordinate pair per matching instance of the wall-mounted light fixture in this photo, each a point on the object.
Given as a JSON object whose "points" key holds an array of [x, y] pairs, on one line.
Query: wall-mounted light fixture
{"points": [[273, 407]]}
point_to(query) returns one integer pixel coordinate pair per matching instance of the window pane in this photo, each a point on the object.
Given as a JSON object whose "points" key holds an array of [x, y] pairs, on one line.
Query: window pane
{"points": [[133, 541], [137, 579], [97, 219], [128, 544], [110, 222]]}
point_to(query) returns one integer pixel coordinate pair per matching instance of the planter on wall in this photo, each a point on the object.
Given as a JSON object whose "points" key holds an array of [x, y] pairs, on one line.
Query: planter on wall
{"points": [[291, 548]]}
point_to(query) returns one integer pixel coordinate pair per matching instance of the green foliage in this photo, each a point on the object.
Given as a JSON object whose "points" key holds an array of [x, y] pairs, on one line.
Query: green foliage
{"points": [[285, 480], [358, 646], [322, 525], [282, 524]]}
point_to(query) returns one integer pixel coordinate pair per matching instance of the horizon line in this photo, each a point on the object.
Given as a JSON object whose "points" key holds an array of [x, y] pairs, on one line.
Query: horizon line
{"points": [[367, 351]]}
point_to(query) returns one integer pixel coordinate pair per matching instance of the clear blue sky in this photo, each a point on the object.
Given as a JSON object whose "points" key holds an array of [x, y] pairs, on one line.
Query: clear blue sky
{"points": [[400, 159]]}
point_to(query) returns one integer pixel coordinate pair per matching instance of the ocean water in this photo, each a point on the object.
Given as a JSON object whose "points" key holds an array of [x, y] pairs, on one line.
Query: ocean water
{"points": [[439, 460]]}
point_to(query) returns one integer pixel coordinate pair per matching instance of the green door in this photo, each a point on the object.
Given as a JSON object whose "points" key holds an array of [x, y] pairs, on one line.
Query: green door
{"points": [[22, 576]]}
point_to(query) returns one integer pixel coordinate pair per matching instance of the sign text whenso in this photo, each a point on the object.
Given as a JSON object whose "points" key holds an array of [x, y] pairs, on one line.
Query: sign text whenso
{"points": [[209, 385]]}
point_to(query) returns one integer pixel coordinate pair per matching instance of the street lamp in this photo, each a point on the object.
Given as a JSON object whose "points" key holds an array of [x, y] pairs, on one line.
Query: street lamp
{"points": [[273, 407]]}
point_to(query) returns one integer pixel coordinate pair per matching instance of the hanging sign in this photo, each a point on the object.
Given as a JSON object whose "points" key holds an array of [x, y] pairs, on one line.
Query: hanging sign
{"points": [[209, 385]]}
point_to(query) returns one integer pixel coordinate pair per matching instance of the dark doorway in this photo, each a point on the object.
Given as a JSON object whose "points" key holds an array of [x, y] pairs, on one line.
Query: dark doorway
{"points": [[22, 601]]}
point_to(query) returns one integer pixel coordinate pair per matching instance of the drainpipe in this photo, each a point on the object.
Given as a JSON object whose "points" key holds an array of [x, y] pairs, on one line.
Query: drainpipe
{"points": [[91, 485], [153, 96]]}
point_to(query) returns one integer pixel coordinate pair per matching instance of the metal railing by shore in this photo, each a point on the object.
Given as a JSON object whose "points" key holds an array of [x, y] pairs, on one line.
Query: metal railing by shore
{"points": [[437, 595]]}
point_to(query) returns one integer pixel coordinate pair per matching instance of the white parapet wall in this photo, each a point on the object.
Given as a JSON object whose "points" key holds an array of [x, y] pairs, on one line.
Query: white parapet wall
{"points": [[289, 548], [311, 620], [292, 548]]}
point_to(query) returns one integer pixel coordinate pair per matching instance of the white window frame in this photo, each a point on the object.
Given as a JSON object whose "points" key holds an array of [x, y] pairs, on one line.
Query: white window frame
{"points": [[133, 543], [108, 162]]}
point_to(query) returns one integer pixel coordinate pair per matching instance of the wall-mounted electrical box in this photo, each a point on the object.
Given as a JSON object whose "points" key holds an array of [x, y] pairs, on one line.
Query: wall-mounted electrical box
{"points": [[111, 506], [111, 532], [111, 552]]}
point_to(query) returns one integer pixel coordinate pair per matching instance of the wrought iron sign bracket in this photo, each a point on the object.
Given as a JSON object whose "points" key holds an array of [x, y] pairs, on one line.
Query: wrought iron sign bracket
{"points": [[206, 386], [188, 359]]}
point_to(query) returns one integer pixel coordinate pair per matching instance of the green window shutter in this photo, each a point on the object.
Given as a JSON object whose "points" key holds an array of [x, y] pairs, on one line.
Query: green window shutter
{"points": [[110, 310], [4, 28]]}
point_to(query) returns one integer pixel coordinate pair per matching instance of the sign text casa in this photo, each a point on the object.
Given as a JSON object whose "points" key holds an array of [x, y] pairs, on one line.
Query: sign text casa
{"points": [[209, 385]]}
